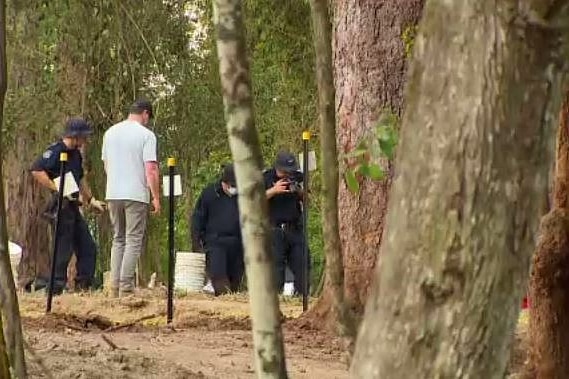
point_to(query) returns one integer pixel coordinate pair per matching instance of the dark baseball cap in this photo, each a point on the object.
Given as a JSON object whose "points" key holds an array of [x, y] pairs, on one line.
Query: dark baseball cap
{"points": [[77, 127], [141, 105], [286, 162], [228, 175]]}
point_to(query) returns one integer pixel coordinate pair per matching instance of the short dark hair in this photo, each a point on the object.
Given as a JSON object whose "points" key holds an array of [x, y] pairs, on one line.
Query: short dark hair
{"points": [[228, 174], [141, 105]]}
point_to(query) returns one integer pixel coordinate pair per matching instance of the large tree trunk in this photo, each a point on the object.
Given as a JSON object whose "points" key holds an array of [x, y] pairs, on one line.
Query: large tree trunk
{"points": [[25, 199], [253, 204], [370, 70], [24, 205], [549, 326], [10, 312], [472, 171]]}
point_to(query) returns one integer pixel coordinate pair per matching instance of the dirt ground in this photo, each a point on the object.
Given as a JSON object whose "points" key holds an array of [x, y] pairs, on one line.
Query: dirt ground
{"points": [[91, 336]]}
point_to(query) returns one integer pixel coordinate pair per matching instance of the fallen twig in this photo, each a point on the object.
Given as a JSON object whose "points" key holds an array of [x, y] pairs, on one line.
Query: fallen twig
{"points": [[109, 342], [130, 323], [78, 328]]}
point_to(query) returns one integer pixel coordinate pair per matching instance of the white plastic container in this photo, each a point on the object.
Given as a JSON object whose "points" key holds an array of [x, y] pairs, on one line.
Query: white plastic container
{"points": [[15, 252], [189, 273]]}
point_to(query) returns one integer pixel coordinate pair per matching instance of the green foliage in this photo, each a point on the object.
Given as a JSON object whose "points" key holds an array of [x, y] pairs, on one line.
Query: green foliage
{"points": [[408, 37], [94, 58], [377, 145]]}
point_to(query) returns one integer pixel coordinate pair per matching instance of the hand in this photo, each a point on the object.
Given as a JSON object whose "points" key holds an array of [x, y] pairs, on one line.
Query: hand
{"points": [[155, 206], [281, 186], [98, 205]]}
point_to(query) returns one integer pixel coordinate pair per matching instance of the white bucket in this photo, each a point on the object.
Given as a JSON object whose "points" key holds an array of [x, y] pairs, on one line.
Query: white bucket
{"points": [[189, 273], [15, 252]]}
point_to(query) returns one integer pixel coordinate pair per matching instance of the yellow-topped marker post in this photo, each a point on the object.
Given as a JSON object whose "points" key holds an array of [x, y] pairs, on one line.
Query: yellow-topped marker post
{"points": [[62, 165], [171, 235], [305, 291]]}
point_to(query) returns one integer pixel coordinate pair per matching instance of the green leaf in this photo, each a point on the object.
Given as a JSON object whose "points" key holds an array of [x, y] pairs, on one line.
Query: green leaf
{"points": [[387, 139], [376, 172], [351, 181], [388, 148], [363, 169]]}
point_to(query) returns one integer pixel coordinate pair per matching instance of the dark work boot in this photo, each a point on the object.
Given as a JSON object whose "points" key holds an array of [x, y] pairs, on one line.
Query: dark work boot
{"points": [[82, 285], [220, 286]]}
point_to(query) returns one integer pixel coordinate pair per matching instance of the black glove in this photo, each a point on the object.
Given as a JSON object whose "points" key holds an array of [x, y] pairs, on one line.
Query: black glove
{"points": [[50, 211]]}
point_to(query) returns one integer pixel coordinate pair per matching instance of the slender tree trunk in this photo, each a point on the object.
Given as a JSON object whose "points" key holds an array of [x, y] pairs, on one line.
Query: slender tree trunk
{"points": [[472, 170], [253, 204], [549, 326], [8, 299], [331, 233]]}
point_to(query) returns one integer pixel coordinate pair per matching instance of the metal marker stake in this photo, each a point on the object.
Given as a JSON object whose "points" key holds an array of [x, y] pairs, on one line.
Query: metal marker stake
{"points": [[63, 161], [172, 256], [305, 294]]}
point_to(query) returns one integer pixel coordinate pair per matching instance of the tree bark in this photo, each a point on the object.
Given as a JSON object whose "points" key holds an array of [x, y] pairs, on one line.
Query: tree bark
{"points": [[253, 204], [369, 74], [549, 326], [24, 205], [25, 199], [8, 299], [472, 166], [322, 35], [4, 363]]}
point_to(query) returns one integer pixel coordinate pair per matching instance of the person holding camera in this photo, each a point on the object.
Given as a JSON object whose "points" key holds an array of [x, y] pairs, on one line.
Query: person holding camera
{"points": [[284, 191]]}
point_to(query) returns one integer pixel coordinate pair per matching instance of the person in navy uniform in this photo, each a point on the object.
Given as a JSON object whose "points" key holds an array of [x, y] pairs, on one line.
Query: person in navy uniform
{"points": [[74, 235], [217, 231], [283, 183]]}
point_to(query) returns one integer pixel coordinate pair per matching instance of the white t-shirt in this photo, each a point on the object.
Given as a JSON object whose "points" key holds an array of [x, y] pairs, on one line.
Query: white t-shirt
{"points": [[126, 147]]}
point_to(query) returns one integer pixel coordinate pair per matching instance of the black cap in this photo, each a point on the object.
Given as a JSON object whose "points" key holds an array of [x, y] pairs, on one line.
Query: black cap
{"points": [[286, 162], [77, 127], [228, 175], [140, 106]]}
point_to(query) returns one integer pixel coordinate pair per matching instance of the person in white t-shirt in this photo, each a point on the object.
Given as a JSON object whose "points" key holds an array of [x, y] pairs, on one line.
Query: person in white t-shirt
{"points": [[129, 156]]}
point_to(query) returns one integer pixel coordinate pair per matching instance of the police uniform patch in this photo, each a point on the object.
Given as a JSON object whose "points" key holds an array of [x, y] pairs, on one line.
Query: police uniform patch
{"points": [[47, 154]]}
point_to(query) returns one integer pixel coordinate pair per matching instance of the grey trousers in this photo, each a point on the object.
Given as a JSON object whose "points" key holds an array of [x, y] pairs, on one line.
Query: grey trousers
{"points": [[129, 220]]}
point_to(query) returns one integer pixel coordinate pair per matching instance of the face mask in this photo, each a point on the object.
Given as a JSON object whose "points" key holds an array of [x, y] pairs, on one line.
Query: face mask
{"points": [[232, 191]]}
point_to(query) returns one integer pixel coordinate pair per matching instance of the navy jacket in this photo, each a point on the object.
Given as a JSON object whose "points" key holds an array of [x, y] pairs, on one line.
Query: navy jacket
{"points": [[50, 163], [215, 216]]}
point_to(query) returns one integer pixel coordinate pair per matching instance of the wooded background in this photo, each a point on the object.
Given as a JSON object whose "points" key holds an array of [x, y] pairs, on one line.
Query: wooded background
{"points": [[468, 196], [93, 58]]}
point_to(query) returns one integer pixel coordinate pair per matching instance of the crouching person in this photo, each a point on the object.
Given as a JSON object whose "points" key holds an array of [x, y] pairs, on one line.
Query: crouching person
{"points": [[216, 230]]}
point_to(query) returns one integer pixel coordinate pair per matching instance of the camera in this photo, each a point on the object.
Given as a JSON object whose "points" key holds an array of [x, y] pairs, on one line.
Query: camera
{"points": [[295, 181], [294, 187]]}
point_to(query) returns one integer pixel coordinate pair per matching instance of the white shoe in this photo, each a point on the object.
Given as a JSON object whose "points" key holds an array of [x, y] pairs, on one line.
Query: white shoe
{"points": [[208, 288], [288, 289]]}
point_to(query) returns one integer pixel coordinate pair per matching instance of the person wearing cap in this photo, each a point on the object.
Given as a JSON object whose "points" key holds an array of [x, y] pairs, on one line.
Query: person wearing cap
{"points": [[283, 183], [74, 235], [217, 231], [130, 161]]}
